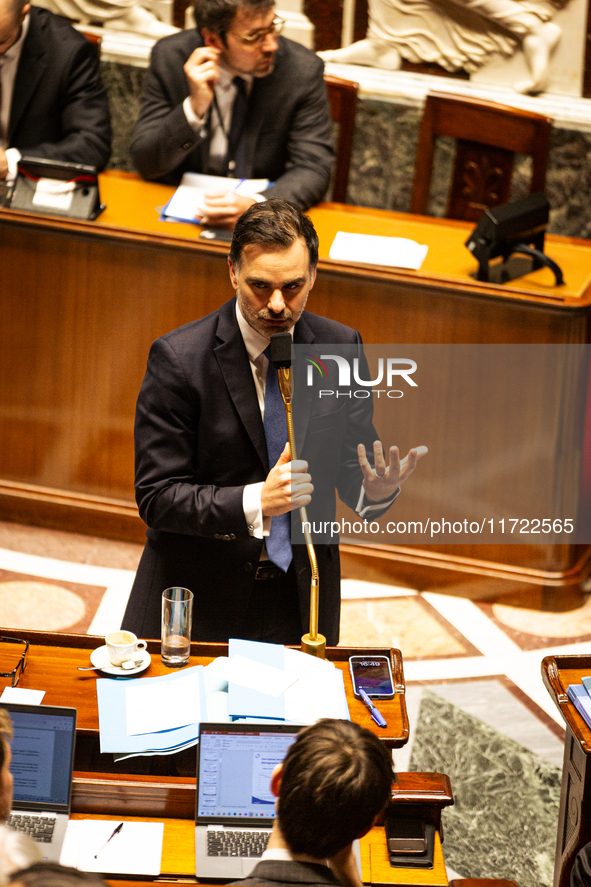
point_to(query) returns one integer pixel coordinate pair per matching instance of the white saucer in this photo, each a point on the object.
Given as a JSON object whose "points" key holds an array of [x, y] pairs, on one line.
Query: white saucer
{"points": [[100, 659]]}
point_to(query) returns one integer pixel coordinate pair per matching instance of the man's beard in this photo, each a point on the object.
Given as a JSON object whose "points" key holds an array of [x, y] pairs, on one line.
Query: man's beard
{"points": [[257, 319]]}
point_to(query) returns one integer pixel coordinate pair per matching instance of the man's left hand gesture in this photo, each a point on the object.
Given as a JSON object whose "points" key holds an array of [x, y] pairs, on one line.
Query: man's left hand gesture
{"points": [[382, 481]]}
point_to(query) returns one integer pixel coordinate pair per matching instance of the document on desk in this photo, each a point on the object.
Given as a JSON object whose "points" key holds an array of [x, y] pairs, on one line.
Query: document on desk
{"points": [[152, 707], [369, 249], [186, 203], [113, 723], [314, 688], [92, 845]]}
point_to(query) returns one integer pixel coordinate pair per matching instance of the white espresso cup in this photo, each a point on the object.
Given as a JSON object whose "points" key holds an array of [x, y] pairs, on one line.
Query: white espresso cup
{"points": [[122, 645]]}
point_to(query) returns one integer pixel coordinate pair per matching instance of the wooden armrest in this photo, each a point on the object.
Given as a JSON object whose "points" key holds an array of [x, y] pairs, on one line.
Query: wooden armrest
{"points": [[423, 795]]}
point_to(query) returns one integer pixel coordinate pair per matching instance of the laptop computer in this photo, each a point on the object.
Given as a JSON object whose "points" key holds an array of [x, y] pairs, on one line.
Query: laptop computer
{"points": [[235, 809], [41, 766]]}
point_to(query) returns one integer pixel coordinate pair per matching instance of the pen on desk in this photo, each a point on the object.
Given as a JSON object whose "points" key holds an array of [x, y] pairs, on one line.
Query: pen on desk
{"points": [[374, 712], [110, 838]]}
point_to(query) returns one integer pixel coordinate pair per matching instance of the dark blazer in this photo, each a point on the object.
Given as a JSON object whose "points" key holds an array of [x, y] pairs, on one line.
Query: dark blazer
{"points": [[288, 133], [271, 872], [199, 441], [59, 107]]}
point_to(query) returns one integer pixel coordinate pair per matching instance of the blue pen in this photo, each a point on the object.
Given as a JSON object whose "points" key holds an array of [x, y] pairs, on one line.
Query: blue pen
{"points": [[241, 182], [374, 712]]}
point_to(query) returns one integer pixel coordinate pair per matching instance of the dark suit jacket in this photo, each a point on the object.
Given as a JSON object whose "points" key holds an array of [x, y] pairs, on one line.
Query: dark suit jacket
{"points": [[59, 107], [271, 872], [199, 441], [288, 133]]}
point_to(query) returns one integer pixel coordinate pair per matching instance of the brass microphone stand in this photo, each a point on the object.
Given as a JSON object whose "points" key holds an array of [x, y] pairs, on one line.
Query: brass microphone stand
{"points": [[313, 642]]}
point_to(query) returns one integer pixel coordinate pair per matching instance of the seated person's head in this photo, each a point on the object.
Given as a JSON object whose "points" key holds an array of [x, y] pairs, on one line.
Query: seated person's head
{"points": [[216, 16], [51, 874], [5, 756], [335, 779], [17, 851]]}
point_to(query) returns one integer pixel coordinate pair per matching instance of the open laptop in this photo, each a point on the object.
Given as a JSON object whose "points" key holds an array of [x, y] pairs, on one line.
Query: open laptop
{"points": [[235, 809], [41, 766]]}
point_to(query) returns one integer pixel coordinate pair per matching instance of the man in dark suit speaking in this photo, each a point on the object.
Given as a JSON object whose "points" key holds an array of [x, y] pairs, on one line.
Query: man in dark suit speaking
{"points": [[232, 97], [52, 101], [214, 501]]}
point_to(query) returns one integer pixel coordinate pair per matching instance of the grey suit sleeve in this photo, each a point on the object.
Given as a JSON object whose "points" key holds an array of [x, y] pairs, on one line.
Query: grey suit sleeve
{"points": [[163, 137], [310, 147], [168, 493], [84, 113]]}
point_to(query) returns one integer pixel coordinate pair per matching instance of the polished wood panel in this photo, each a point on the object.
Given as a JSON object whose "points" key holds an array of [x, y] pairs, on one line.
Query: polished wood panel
{"points": [[82, 301], [574, 818]]}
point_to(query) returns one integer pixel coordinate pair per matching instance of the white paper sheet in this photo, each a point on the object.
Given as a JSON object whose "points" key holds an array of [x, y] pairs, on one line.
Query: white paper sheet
{"points": [[187, 201], [22, 696], [152, 708], [256, 676], [136, 850], [310, 699], [369, 249]]}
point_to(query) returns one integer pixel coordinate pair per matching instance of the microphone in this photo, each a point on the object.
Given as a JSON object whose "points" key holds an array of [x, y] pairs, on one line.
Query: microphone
{"points": [[281, 350], [313, 642]]}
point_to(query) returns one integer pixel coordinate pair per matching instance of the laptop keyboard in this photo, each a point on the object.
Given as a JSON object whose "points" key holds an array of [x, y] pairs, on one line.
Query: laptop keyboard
{"points": [[236, 843], [40, 828]]}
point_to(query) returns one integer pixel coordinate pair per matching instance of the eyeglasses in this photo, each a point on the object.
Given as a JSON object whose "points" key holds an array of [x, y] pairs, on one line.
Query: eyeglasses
{"points": [[22, 664], [258, 37]]}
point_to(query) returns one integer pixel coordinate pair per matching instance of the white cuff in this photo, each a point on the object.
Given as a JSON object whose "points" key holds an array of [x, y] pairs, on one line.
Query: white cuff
{"points": [[196, 123], [371, 507], [258, 526], [13, 155]]}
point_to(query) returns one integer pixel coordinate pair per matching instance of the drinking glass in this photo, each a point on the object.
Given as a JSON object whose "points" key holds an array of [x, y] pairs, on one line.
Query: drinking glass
{"points": [[177, 616]]}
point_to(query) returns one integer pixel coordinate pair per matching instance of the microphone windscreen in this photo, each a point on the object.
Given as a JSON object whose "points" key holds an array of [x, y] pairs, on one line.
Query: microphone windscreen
{"points": [[281, 350]]}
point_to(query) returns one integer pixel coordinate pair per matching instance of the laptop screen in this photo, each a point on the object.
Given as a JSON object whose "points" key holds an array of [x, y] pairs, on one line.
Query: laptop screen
{"points": [[235, 764], [42, 753]]}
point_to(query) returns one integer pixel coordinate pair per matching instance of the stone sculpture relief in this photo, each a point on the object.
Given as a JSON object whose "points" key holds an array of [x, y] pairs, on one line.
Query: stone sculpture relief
{"points": [[118, 15], [457, 34]]}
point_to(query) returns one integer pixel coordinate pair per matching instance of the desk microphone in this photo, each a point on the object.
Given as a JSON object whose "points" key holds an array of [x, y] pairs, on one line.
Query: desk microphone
{"points": [[313, 642]]}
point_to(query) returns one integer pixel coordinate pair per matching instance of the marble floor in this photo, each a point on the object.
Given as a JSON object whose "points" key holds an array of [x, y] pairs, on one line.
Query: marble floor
{"points": [[477, 706]]}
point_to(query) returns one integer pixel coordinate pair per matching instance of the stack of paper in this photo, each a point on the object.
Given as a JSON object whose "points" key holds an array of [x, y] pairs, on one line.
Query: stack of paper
{"points": [[579, 696], [186, 204], [370, 249], [270, 681], [95, 845], [151, 715]]}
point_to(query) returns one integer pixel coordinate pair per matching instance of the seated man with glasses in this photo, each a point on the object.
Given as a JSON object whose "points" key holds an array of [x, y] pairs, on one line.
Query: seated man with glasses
{"points": [[233, 98]]}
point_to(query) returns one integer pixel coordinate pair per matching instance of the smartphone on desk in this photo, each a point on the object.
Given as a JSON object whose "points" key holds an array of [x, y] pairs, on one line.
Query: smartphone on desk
{"points": [[405, 836], [372, 674]]}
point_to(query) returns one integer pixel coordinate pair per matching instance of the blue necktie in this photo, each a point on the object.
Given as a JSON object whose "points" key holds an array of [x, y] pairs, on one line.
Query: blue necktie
{"points": [[275, 424]]}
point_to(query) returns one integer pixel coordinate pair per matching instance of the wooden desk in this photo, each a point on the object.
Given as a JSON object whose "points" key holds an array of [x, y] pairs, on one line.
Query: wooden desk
{"points": [[54, 658], [51, 665], [82, 301], [574, 820]]}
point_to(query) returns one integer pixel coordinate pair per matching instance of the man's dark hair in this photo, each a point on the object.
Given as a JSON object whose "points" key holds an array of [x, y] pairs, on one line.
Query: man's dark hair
{"points": [[217, 15], [337, 777], [51, 874], [274, 223]]}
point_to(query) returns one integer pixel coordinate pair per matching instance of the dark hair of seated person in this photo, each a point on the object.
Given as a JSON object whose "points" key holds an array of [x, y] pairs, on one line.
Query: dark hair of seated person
{"points": [[336, 778], [52, 874]]}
